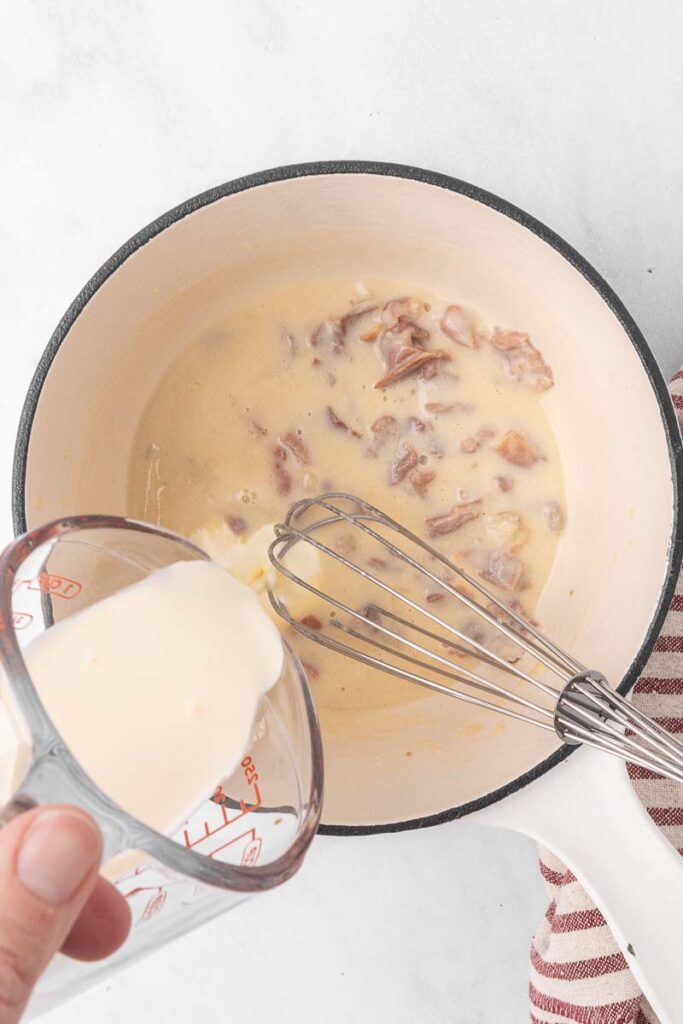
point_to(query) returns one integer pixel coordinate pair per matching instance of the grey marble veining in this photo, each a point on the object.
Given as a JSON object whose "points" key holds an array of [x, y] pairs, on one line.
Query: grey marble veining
{"points": [[111, 113]]}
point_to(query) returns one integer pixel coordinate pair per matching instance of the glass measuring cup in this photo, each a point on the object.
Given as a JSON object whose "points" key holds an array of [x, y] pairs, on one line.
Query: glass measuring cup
{"points": [[249, 836]]}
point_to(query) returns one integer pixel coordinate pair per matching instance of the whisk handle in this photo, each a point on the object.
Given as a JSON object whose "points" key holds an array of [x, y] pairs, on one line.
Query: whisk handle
{"points": [[587, 812]]}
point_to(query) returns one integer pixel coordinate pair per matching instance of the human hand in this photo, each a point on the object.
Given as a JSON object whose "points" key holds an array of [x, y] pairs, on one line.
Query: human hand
{"points": [[52, 898]]}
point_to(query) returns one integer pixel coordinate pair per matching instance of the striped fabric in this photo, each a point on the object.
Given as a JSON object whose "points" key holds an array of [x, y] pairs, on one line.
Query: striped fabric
{"points": [[578, 974]]}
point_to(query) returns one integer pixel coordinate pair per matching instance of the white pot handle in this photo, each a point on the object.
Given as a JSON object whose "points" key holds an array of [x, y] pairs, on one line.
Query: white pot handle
{"points": [[587, 812]]}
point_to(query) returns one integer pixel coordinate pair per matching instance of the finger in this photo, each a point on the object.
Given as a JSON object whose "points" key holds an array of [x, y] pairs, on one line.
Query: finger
{"points": [[49, 859], [102, 925]]}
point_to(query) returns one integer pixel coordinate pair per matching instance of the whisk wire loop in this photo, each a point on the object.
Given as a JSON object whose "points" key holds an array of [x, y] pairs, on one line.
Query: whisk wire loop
{"points": [[583, 710]]}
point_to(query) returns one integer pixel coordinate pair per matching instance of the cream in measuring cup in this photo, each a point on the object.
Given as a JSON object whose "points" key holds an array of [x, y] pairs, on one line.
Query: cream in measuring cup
{"points": [[155, 688]]}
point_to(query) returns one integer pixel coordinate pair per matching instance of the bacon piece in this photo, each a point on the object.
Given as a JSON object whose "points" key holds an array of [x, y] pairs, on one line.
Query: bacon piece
{"points": [[420, 480], [504, 570], [384, 429], [504, 483], [311, 670], [406, 360], [312, 621], [418, 335], [328, 334], [345, 544], [473, 444], [393, 310], [457, 325], [429, 371], [516, 450], [371, 613], [236, 524], [283, 481], [523, 362], [339, 423], [447, 522], [431, 596], [404, 460], [347, 319], [417, 426], [554, 516], [507, 531], [297, 446], [373, 333]]}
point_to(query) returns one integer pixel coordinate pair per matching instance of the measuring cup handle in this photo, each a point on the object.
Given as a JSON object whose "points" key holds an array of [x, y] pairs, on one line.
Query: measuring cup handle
{"points": [[49, 781], [588, 813]]}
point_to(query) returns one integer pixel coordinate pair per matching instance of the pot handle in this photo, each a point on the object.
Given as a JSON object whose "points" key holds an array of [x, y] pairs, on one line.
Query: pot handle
{"points": [[588, 813]]}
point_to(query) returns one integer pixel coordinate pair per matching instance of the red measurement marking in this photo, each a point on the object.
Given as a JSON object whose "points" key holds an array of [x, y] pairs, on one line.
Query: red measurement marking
{"points": [[58, 586], [154, 906], [251, 851], [21, 619], [226, 820]]}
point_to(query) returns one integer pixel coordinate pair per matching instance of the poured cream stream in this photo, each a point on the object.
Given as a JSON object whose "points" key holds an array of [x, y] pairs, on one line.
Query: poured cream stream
{"points": [[155, 688]]}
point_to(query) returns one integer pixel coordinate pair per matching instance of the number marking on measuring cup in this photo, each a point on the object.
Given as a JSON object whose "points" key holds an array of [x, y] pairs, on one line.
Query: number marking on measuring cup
{"points": [[223, 804], [21, 619], [57, 586]]}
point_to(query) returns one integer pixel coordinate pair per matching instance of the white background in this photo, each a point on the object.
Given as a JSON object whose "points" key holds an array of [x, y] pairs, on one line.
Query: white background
{"points": [[111, 112]]}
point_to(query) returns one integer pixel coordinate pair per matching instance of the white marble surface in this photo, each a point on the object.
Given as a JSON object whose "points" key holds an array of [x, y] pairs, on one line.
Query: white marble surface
{"points": [[111, 113]]}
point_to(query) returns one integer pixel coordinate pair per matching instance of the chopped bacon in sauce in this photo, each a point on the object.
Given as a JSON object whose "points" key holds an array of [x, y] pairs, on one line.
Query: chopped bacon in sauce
{"points": [[345, 544], [298, 448], [237, 524], [507, 531], [283, 481], [371, 613], [384, 429], [554, 516], [504, 570], [312, 621], [372, 334], [402, 358], [457, 325], [404, 460], [523, 362], [339, 423], [328, 334], [420, 480], [349, 318], [396, 309], [402, 441], [436, 408], [472, 444], [418, 335], [447, 522], [516, 450]]}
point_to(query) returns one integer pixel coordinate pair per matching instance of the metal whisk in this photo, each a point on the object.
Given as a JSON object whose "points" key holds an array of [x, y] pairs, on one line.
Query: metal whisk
{"points": [[423, 647]]}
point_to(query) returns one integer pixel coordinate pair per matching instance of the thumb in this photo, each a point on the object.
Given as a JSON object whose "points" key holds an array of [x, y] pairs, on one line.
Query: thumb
{"points": [[49, 861]]}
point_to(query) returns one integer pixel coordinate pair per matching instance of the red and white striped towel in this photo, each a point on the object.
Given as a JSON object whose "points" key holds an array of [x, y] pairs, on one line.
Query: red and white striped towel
{"points": [[578, 974]]}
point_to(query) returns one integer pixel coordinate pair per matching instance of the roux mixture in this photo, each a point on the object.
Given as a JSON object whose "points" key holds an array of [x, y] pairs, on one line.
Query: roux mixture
{"points": [[403, 397]]}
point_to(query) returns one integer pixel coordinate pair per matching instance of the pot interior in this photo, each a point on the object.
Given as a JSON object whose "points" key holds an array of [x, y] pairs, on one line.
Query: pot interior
{"points": [[612, 562]]}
